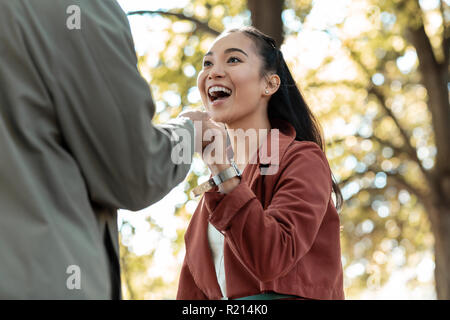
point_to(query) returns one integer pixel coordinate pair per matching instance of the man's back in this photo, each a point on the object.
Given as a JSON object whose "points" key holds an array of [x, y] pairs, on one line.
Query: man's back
{"points": [[76, 143]]}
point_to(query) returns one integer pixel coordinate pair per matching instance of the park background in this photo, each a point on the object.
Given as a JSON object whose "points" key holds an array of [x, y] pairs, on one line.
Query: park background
{"points": [[375, 73]]}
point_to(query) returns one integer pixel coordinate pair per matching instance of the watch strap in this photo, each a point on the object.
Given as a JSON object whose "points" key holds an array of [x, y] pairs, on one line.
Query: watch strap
{"points": [[221, 177]]}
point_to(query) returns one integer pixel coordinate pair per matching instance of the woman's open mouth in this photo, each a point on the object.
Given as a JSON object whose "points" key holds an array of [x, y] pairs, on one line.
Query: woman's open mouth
{"points": [[217, 93]]}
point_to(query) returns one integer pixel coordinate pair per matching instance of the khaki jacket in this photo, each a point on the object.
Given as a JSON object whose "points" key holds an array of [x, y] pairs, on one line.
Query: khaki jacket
{"points": [[76, 144]]}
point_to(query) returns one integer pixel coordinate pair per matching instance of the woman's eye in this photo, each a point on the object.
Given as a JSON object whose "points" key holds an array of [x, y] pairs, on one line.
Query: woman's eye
{"points": [[207, 63], [234, 60]]}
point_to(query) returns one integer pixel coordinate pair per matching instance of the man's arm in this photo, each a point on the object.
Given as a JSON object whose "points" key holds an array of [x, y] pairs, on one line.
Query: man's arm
{"points": [[105, 110]]}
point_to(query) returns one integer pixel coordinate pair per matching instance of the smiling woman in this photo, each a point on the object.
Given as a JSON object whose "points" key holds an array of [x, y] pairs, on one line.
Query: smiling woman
{"points": [[258, 235], [230, 83]]}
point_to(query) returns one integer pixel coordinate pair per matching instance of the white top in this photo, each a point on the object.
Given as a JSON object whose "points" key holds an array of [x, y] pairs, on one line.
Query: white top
{"points": [[216, 242]]}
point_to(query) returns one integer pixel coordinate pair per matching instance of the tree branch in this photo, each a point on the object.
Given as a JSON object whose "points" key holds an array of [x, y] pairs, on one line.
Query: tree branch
{"points": [[445, 34], [382, 102], [395, 179], [369, 189], [381, 99], [357, 175], [419, 39], [409, 149], [199, 24], [332, 142], [401, 182], [347, 83], [398, 150]]}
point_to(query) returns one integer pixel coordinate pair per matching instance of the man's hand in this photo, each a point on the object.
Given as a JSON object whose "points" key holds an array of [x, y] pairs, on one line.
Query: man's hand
{"points": [[199, 118], [206, 127], [215, 159]]}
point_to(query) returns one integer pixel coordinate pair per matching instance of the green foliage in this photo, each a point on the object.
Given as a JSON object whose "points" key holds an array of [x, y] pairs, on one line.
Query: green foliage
{"points": [[385, 226]]}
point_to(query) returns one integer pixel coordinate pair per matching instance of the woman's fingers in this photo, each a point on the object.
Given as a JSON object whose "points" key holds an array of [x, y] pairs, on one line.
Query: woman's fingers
{"points": [[213, 134], [201, 124], [215, 143]]}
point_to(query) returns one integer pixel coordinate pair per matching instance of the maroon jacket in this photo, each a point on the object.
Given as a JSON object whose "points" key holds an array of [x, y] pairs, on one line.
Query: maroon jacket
{"points": [[281, 230]]}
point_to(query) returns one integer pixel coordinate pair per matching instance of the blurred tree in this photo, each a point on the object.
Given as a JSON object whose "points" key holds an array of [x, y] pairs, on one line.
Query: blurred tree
{"points": [[266, 16], [393, 167], [410, 127]]}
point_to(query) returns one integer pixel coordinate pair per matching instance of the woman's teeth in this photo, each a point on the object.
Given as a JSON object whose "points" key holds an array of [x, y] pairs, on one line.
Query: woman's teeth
{"points": [[217, 89], [218, 92]]}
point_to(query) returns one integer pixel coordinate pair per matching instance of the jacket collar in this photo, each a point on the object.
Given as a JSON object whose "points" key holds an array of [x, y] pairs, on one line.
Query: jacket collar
{"points": [[274, 147], [198, 253]]}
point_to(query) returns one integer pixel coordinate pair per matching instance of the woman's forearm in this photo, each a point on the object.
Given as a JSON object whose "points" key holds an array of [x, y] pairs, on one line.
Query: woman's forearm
{"points": [[228, 185]]}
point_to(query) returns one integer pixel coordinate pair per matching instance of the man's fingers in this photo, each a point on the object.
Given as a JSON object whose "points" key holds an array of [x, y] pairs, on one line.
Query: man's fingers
{"points": [[206, 115]]}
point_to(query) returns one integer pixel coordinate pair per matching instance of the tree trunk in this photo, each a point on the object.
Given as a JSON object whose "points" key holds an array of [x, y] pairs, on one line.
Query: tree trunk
{"points": [[434, 77], [440, 223], [266, 16]]}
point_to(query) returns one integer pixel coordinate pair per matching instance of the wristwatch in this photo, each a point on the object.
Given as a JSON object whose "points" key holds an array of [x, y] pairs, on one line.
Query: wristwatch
{"points": [[221, 177]]}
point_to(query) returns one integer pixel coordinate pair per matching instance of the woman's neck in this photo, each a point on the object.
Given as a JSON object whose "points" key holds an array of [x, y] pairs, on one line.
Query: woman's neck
{"points": [[248, 135]]}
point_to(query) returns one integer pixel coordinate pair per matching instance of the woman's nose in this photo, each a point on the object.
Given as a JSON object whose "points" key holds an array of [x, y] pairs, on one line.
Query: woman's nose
{"points": [[216, 72]]}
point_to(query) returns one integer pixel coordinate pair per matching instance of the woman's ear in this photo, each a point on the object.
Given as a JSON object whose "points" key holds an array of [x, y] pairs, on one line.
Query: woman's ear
{"points": [[273, 83]]}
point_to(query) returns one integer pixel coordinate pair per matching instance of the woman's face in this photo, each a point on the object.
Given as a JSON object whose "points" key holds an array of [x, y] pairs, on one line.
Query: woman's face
{"points": [[230, 83]]}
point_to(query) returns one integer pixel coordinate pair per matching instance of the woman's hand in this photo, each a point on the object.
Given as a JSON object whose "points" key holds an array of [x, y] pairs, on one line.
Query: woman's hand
{"points": [[200, 120], [208, 131], [215, 155], [213, 145], [213, 139]]}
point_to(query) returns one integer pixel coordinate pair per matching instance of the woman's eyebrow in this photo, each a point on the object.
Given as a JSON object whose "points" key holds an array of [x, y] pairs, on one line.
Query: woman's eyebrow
{"points": [[210, 53], [235, 49]]}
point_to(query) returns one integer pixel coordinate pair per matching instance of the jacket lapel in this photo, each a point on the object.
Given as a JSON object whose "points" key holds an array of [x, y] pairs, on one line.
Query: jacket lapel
{"points": [[274, 147]]}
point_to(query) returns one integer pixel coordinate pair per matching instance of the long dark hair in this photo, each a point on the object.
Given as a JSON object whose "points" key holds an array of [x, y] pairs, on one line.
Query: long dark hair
{"points": [[287, 102]]}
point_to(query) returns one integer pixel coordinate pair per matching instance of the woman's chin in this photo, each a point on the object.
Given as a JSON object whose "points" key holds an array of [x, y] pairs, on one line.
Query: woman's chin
{"points": [[219, 116]]}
